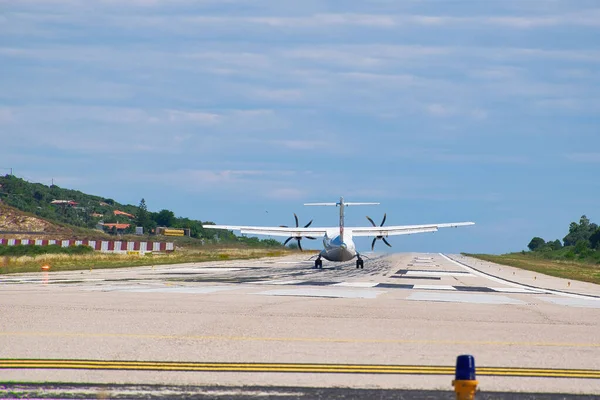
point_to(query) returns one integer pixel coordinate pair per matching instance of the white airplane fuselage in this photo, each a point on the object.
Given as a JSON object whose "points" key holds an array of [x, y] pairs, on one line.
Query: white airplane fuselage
{"points": [[336, 248]]}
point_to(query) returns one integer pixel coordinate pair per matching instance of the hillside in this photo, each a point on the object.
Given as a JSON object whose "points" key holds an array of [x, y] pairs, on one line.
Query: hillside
{"points": [[74, 213], [37, 199]]}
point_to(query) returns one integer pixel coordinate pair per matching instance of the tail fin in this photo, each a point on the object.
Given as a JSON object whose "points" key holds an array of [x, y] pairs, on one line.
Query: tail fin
{"points": [[341, 204]]}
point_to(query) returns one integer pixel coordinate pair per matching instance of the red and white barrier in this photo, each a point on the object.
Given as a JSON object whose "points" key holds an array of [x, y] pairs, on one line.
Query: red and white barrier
{"points": [[105, 246]]}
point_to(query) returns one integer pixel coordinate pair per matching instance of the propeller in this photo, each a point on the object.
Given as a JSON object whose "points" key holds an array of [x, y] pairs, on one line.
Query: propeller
{"points": [[298, 238], [378, 237]]}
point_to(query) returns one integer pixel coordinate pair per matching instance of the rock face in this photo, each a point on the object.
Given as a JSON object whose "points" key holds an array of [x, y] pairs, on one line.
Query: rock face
{"points": [[13, 220]]}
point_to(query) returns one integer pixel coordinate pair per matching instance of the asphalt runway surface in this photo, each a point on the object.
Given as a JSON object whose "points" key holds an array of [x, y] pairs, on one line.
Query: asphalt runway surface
{"points": [[393, 328], [49, 391]]}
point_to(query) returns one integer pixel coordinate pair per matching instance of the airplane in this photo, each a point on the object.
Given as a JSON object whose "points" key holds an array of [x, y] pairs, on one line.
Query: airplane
{"points": [[337, 241]]}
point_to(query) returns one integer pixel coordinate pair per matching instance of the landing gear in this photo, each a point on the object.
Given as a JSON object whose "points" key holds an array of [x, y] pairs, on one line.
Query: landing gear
{"points": [[319, 263], [360, 263]]}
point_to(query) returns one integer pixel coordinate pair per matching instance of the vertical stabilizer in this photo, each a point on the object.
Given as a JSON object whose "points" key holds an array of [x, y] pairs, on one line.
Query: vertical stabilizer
{"points": [[341, 204]]}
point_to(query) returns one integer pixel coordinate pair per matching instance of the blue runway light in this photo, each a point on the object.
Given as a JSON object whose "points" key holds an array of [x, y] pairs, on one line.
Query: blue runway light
{"points": [[465, 368]]}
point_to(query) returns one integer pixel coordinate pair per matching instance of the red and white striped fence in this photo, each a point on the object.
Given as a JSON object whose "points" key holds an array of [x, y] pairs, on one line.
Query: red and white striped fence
{"points": [[105, 246]]}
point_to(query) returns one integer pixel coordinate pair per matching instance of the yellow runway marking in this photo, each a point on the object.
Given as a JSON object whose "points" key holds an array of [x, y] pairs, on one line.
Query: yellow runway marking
{"points": [[298, 339], [291, 367]]}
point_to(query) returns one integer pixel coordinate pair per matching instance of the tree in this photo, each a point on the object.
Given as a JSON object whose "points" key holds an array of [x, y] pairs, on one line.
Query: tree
{"points": [[142, 217], [595, 240], [581, 247], [165, 218], [536, 243], [39, 196], [556, 245], [582, 231]]}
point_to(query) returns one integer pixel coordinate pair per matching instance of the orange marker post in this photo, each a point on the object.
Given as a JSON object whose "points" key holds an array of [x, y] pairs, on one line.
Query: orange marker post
{"points": [[45, 267]]}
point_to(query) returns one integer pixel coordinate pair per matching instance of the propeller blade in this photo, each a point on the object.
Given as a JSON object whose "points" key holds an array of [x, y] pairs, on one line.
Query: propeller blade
{"points": [[386, 242], [299, 245], [310, 237], [295, 216], [307, 225], [371, 221], [283, 226], [384, 217], [287, 240], [373, 244]]}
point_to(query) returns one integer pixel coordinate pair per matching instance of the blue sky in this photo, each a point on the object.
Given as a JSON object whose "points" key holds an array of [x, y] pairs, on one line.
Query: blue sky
{"points": [[239, 111]]}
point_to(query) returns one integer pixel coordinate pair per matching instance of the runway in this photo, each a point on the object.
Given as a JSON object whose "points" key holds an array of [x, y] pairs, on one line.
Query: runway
{"points": [[397, 324]]}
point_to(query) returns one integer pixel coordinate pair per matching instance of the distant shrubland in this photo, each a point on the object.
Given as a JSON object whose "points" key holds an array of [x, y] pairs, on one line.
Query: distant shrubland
{"points": [[582, 243]]}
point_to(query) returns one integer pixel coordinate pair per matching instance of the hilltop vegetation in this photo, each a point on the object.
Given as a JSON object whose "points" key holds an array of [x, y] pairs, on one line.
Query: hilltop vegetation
{"points": [[78, 209]]}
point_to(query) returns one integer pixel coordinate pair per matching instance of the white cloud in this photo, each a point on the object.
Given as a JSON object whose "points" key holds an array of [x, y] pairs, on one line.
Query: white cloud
{"points": [[450, 156], [258, 113], [130, 115], [6, 115], [285, 95], [478, 114], [321, 20], [233, 58], [499, 72], [260, 183], [301, 144], [193, 116], [569, 105], [440, 110], [584, 157], [286, 194]]}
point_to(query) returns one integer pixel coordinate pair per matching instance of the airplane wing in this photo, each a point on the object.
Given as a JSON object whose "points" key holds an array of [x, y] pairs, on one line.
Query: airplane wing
{"points": [[273, 230], [403, 229]]}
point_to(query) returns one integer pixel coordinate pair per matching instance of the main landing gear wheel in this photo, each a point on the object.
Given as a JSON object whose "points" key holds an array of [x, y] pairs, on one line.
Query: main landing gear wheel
{"points": [[318, 263], [360, 263]]}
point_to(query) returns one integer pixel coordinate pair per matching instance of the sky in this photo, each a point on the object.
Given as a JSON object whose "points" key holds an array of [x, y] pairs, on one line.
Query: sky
{"points": [[240, 111]]}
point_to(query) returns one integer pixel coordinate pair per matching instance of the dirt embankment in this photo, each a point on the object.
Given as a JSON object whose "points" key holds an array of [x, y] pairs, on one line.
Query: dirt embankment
{"points": [[16, 224]]}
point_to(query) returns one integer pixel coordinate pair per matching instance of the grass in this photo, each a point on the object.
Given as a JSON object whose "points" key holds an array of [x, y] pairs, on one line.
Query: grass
{"points": [[568, 269], [72, 262], [31, 250]]}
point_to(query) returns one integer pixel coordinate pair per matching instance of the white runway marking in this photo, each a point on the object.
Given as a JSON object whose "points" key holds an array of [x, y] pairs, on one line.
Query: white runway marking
{"points": [[357, 284], [567, 301], [198, 270], [434, 287], [508, 283], [188, 290], [463, 298], [165, 289], [294, 262], [319, 292], [515, 290], [437, 273], [42, 280]]}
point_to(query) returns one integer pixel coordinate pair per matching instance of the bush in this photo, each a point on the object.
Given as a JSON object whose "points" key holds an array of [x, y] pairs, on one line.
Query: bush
{"points": [[582, 247], [570, 255]]}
